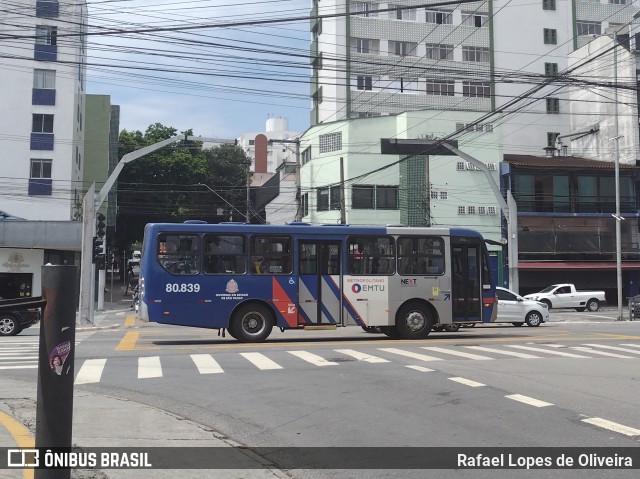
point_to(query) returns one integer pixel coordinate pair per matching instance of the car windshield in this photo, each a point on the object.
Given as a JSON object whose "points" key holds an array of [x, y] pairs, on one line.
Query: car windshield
{"points": [[549, 288]]}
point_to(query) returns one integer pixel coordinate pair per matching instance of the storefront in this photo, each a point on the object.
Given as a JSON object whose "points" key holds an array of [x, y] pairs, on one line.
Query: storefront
{"points": [[20, 272]]}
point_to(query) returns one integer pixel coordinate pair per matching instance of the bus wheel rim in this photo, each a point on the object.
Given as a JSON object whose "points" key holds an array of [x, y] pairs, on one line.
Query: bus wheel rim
{"points": [[415, 321], [253, 323]]}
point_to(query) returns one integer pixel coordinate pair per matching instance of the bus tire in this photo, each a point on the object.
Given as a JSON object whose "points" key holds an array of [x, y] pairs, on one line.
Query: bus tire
{"points": [[390, 331], [252, 323], [414, 321]]}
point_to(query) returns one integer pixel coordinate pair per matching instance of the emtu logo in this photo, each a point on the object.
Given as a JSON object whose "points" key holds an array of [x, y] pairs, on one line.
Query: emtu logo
{"points": [[356, 288]]}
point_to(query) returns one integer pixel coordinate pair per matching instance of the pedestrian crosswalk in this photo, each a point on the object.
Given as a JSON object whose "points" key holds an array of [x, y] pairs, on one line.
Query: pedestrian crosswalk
{"points": [[90, 371], [21, 352]]}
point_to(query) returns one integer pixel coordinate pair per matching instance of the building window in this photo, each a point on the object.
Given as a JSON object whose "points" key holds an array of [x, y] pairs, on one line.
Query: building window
{"points": [[551, 69], [434, 195], [551, 138], [439, 17], [47, 8], [471, 210], [482, 210], [404, 85], [553, 105], [462, 210], [443, 88], [330, 142], [40, 178], [588, 28], [46, 35], [402, 13], [362, 82], [403, 49], [335, 197], [548, 4], [365, 45], [40, 169], [550, 36], [474, 19], [475, 54], [476, 89], [444, 195], [439, 52], [305, 156], [44, 79], [364, 9], [42, 123], [316, 98], [322, 200], [491, 210], [386, 197], [304, 204], [460, 166], [362, 197], [620, 2]]}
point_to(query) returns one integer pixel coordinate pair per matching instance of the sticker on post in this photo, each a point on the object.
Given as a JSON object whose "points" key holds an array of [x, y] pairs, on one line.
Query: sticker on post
{"points": [[58, 356]]}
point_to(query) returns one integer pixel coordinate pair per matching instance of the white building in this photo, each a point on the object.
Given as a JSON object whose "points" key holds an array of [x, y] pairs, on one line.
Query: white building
{"points": [[42, 99], [387, 59], [269, 149], [43, 89]]}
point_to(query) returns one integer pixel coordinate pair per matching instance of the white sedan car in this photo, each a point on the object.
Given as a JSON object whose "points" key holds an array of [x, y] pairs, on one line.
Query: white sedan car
{"points": [[514, 309]]}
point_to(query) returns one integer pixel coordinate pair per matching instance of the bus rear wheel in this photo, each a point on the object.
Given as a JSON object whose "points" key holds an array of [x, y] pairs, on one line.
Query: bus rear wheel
{"points": [[414, 321], [252, 323]]}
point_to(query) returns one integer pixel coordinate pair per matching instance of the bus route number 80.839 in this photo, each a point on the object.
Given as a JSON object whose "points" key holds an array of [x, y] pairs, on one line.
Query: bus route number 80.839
{"points": [[182, 288]]}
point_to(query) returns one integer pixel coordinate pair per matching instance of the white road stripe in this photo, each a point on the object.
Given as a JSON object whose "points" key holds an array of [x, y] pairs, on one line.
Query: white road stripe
{"points": [[632, 345], [149, 367], [420, 368], [4, 358], [206, 364], [612, 426], [601, 353], [528, 400], [457, 353], [467, 382], [21, 362], [507, 353], [260, 361], [546, 351], [24, 366], [361, 356], [409, 354], [90, 371], [312, 358], [613, 348]]}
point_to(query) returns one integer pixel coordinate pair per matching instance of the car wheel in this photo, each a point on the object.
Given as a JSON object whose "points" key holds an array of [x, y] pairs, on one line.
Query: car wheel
{"points": [[452, 328], [533, 319], [579, 310], [593, 305], [414, 321], [9, 325], [252, 323], [517, 324]]}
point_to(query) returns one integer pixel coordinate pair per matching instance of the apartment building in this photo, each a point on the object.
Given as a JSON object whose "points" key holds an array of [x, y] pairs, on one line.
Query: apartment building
{"points": [[494, 56]]}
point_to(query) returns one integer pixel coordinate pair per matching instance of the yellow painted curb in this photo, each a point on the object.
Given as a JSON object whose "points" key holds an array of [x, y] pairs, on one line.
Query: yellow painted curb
{"points": [[130, 321], [21, 435]]}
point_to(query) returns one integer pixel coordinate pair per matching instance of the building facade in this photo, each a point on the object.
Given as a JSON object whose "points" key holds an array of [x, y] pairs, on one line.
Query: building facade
{"points": [[377, 58]]}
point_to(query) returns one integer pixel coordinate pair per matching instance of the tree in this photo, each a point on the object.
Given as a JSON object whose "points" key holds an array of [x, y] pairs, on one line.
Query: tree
{"points": [[167, 185]]}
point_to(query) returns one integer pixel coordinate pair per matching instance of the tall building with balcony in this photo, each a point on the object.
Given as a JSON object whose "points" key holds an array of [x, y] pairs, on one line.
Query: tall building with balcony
{"points": [[497, 57], [42, 97]]}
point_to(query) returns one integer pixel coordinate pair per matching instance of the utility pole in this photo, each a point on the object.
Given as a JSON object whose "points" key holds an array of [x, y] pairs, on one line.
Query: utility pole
{"points": [[343, 212]]}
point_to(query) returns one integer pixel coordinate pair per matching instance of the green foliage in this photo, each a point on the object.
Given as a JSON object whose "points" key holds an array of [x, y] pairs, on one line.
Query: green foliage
{"points": [[167, 185]]}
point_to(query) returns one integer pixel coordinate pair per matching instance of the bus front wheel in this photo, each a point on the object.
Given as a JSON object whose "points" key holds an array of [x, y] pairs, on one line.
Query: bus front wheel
{"points": [[414, 321], [252, 323]]}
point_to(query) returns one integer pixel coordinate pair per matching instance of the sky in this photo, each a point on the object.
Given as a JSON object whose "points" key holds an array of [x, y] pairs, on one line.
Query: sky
{"points": [[193, 66]]}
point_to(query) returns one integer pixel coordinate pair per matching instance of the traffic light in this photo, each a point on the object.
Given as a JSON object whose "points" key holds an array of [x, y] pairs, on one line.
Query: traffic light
{"points": [[98, 249], [100, 225]]}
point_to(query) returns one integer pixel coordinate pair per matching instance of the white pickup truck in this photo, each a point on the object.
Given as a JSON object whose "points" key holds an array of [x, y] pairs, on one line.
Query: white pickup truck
{"points": [[565, 296]]}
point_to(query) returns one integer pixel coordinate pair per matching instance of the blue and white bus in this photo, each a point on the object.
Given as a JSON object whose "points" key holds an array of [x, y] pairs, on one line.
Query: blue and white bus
{"points": [[247, 279]]}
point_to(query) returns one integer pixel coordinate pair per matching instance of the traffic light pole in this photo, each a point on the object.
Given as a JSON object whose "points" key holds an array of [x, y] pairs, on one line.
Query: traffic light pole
{"points": [[92, 202]]}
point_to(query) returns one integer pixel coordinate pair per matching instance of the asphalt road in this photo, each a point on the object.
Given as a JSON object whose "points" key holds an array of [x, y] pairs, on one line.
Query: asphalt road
{"points": [[573, 382]]}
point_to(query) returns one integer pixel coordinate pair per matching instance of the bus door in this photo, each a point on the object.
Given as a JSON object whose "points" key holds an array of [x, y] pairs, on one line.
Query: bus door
{"points": [[466, 293], [318, 285]]}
